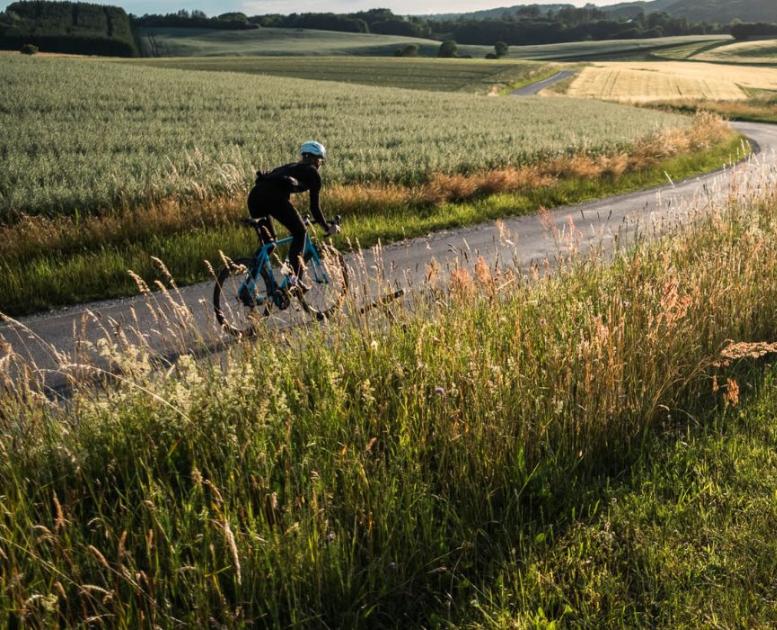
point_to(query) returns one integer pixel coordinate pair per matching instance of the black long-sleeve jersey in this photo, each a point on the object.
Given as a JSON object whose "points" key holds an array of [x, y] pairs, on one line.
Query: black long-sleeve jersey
{"points": [[281, 182]]}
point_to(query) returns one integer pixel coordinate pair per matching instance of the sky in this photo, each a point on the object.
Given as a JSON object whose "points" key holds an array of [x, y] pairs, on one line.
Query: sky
{"points": [[258, 7]]}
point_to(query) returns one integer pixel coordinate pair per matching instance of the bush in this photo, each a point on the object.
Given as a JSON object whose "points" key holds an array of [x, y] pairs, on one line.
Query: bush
{"points": [[29, 49], [448, 48], [500, 48], [411, 50], [491, 56]]}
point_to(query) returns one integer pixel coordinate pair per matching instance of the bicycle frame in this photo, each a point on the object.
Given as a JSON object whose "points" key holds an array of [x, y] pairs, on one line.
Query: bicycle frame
{"points": [[262, 263]]}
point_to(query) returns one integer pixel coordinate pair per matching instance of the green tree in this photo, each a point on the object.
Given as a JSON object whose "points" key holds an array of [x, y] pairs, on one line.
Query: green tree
{"points": [[448, 48], [501, 49]]}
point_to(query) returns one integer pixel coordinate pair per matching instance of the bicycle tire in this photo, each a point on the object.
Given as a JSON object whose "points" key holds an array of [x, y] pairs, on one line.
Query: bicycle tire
{"points": [[236, 317], [328, 279]]}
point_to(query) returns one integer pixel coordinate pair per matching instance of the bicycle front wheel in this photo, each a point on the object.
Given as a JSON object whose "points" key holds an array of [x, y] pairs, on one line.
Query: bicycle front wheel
{"points": [[327, 276], [239, 301]]}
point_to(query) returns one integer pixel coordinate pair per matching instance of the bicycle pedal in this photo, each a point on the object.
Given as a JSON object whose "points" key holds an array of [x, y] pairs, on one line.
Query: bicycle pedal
{"points": [[244, 295]]}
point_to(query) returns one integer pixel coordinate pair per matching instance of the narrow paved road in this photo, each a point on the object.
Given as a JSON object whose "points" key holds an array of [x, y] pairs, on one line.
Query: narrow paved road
{"points": [[404, 264], [536, 88]]}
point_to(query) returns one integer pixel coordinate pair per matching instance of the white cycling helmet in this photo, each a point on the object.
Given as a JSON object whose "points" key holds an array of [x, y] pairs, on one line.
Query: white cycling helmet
{"points": [[313, 148]]}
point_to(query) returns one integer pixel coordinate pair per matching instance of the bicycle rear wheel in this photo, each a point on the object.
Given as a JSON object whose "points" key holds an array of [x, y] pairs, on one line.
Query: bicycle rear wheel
{"points": [[327, 276], [238, 308]]}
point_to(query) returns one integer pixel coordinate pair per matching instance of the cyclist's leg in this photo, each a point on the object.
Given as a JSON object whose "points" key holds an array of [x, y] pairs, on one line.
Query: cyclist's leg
{"points": [[267, 230], [287, 214], [259, 204]]}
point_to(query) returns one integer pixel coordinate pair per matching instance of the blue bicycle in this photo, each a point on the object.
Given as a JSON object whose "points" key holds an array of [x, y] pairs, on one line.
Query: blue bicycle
{"points": [[248, 289]]}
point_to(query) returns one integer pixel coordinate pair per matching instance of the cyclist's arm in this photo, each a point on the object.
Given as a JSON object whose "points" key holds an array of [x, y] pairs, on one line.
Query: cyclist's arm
{"points": [[315, 206]]}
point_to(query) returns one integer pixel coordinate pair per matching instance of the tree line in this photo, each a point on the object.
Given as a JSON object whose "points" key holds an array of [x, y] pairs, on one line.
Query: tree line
{"points": [[530, 24], [68, 27], [527, 25], [744, 30], [568, 25], [195, 19], [381, 21]]}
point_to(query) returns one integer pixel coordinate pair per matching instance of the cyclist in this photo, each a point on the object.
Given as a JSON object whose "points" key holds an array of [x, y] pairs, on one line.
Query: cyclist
{"points": [[270, 198]]}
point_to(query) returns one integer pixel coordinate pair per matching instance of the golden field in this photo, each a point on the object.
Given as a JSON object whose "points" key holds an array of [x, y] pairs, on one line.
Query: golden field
{"points": [[642, 82]]}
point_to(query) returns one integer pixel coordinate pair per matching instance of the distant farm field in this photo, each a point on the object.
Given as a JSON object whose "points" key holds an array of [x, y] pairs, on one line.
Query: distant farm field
{"points": [[451, 75], [658, 81], [186, 42], [753, 52], [691, 49], [615, 48], [83, 136]]}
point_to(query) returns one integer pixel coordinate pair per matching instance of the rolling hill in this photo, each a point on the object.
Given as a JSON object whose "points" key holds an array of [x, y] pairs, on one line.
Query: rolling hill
{"points": [[196, 42], [180, 42], [497, 13], [758, 52], [722, 11]]}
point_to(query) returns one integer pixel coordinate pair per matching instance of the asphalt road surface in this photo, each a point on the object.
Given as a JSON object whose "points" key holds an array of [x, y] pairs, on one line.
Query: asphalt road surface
{"points": [[536, 88], [52, 339]]}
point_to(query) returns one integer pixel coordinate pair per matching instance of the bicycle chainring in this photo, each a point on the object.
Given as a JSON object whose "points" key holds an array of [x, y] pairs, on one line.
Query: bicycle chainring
{"points": [[281, 299]]}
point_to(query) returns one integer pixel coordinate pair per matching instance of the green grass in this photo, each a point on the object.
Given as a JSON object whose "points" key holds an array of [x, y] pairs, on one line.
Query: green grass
{"points": [[451, 75], [452, 464], [55, 279], [684, 539], [132, 135]]}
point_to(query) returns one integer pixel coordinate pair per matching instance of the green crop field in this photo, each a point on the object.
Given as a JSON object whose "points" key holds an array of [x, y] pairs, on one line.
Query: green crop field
{"points": [[186, 42], [469, 75], [130, 135]]}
